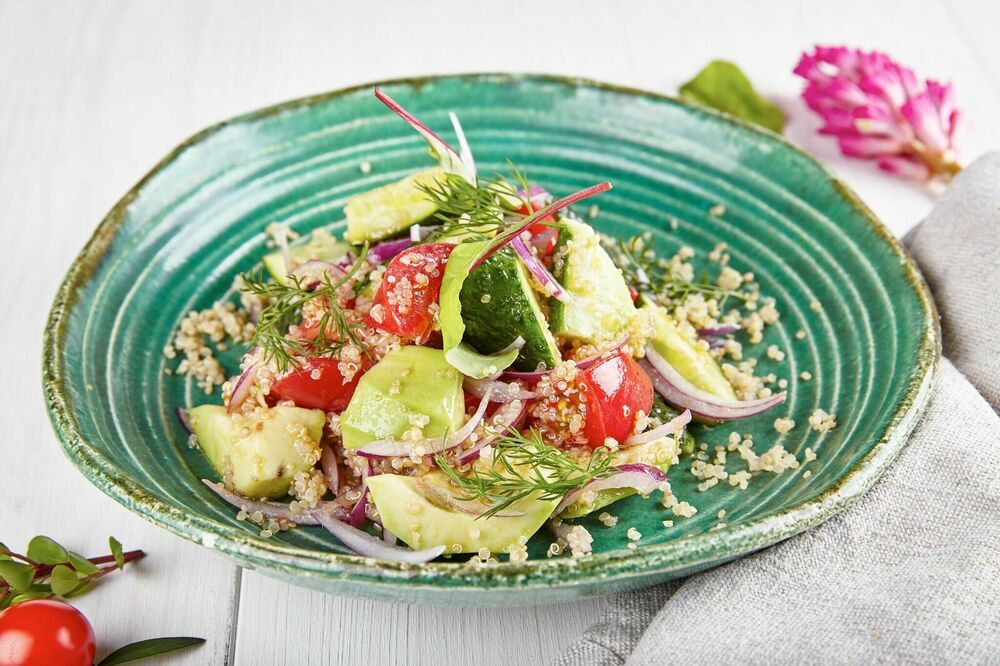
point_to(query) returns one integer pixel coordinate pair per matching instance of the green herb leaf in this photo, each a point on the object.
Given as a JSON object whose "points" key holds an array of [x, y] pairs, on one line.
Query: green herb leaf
{"points": [[28, 596], [82, 564], [148, 648], [116, 550], [723, 86], [4, 552], [86, 587], [44, 550], [63, 580], [17, 575]]}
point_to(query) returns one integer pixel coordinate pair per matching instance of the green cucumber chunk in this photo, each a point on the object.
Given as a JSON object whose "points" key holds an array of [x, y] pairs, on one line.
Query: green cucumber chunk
{"points": [[419, 516], [499, 305], [406, 387], [599, 307], [393, 208], [262, 465], [321, 246]]}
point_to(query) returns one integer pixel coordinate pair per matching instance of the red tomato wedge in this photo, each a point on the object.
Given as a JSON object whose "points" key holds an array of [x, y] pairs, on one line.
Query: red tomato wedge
{"points": [[616, 390], [327, 390], [411, 285]]}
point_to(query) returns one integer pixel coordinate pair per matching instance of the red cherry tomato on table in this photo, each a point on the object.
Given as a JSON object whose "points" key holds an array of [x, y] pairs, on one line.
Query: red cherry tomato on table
{"points": [[616, 389], [43, 632], [327, 390], [411, 285]]}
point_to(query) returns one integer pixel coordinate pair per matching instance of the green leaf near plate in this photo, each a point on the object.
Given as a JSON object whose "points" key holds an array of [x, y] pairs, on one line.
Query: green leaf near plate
{"points": [[176, 241]]}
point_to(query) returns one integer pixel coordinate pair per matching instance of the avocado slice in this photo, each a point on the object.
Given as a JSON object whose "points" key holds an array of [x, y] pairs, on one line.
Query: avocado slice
{"points": [[321, 246], [422, 511], [411, 381], [390, 209], [499, 305], [696, 365], [661, 453], [599, 307], [262, 465]]}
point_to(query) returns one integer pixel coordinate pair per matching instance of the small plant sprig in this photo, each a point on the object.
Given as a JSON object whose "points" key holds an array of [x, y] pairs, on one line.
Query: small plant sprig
{"points": [[49, 570], [480, 210], [283, 308], [522, 466], [653, 276]]}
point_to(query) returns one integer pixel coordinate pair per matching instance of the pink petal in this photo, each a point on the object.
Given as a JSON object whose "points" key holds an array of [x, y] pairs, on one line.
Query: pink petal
{"points": [[858, 145], [907, 166], [927, 125]]}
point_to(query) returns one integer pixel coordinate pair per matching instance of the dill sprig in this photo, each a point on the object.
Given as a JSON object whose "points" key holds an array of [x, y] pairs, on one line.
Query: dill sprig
{"points": [[479, 210], [653, 276], [522, 466], [283, 308]]}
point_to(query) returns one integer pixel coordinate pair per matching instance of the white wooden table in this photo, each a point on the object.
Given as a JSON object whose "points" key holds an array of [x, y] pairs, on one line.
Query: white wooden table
{"points": [[93, 94]]}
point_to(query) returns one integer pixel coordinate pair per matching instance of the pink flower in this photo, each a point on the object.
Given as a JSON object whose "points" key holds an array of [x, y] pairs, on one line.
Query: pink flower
{"points": [[878, 110]]}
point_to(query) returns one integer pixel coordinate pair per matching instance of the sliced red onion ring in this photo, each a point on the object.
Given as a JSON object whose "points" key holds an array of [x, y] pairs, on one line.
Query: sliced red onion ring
{"points": [[581, 365], [542, 239], [464, 152], [243, 388], [536, 194], [641, 477], [383, 252], [511, 415], [515, 231], [419, 232], [518, 343], [502, 391], [275, 510], [331, 470], [388, 537], [366, 545], [473, 508], [678, 391], [539, 272], [715, 331], [359, 511], [311, 272], [671, 427], [392, 448], [561, 530], [182, 416]]}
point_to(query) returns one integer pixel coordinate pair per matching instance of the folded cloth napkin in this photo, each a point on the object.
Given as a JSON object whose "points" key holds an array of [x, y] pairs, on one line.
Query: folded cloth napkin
{"points": [[911, 573]]}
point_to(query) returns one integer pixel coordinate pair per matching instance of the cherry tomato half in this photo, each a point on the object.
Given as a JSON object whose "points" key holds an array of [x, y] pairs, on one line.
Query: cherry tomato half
{"points": [[616, 389], [43, 632], [327, 390], [411, 285]]}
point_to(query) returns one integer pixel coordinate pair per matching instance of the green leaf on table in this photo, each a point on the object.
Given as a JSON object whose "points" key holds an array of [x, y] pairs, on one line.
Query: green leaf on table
{"points": [[86, 587], [723, 86], [17, 575], [4, 552], [148, 648], [116, 550], [82, 564], [46, 551], [63, 580]]}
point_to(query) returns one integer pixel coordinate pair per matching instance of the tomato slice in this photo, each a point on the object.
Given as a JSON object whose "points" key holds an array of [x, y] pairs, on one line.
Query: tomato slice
{"points": [[616, 389], [321, 386], [411, 285]]}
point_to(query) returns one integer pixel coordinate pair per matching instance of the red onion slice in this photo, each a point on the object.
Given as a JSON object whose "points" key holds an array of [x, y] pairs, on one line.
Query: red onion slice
{"points": [[388, 537], [365, 545], [539, 272], [582, 365], [511, 415], [464, 152], [671, 427], [383, 252], [182, 416], [501, 391], [359, 511], [715, 331], [392, 448], [678, 391], [275, 510], [331, 470], [641, 477], [473, 508], [243, 388]]}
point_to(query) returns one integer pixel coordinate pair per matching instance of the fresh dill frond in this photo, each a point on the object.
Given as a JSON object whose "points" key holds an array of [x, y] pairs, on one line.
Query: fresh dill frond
{"points": [[523, 466], [283, 308], [653, 276], [479, 210]]}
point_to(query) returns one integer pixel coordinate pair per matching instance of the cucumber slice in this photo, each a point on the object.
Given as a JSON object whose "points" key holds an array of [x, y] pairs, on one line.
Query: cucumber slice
{"points": [[392, 208], [321, 246], [599, 307], [499, 305]]}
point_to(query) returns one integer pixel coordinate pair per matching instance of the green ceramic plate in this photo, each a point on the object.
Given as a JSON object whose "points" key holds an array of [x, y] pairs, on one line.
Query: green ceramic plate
{"points": [[176, 240]]}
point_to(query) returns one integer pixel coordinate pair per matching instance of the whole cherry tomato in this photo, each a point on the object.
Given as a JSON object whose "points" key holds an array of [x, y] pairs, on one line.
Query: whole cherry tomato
{"points": [[43, 632], [321, 386], [409, 289], [616, 389]]}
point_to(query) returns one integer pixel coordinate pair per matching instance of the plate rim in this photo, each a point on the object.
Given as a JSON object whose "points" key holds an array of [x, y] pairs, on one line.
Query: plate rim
{"points": [[607, 569]]}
